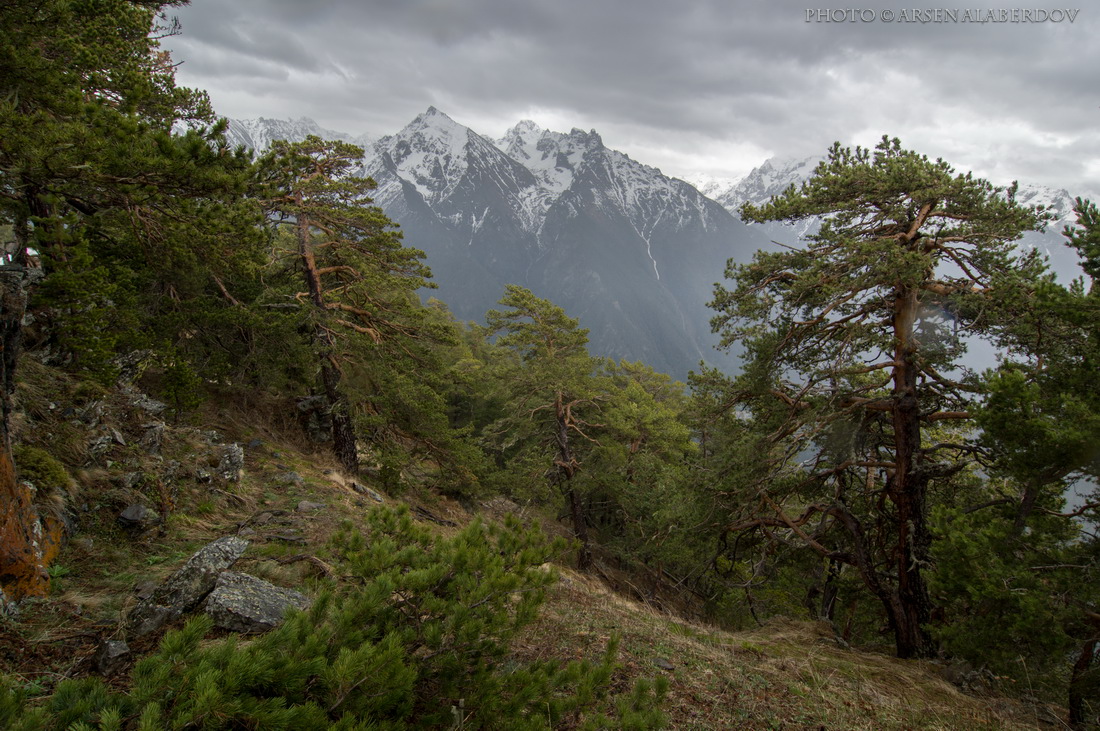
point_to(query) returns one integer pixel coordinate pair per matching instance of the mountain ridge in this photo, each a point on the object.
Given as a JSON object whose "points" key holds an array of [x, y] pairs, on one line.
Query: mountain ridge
{"points": [[631, 252]]}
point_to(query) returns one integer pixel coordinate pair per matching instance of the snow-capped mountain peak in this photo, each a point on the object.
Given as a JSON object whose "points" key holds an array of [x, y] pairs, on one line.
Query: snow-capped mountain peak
{"points": [[770, 179], [430, 152]]}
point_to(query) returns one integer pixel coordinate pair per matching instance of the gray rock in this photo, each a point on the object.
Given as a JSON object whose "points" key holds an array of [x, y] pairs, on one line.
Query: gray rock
{"points": [[663, 664], [287, 538], [130, 480], [364, 490], [243, 603], [111, 656], [153, 437], [203, 476], [138, 517], [963, 675], [307, 505], [231, 466], [99, 446], [118, 437], [130, 365], [183, 590], [91, 414], [290, 478], [140, 401], [8, 607], [256, 443], [170, 470]]}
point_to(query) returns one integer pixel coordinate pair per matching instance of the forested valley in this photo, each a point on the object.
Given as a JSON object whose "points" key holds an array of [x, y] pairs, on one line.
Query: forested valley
{"points": [[195, 335]]}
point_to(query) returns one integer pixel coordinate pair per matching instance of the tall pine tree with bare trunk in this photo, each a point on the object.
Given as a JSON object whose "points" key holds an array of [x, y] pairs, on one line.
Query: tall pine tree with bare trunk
{"points": [[853, 339], [358, 280]]}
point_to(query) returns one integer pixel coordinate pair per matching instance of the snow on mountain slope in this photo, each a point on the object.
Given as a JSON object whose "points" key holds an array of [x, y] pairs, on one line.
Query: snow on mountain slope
{"points": [[443, 162], [770, 179], [258, 134], [552, 157]]}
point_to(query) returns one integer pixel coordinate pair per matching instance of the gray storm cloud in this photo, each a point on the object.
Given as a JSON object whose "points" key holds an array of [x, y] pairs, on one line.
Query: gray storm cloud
{"points": [[744, 80]]}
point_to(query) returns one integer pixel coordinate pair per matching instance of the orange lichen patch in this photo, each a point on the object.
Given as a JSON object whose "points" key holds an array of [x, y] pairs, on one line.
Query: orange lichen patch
{"points": [[52, 540], [22, 570]]}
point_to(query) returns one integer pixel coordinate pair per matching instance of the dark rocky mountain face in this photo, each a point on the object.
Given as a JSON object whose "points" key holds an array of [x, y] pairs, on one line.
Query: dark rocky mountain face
{"points": [[630, 252]]}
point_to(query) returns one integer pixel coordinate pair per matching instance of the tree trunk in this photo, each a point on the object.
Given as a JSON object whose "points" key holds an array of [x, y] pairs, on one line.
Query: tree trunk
{"points": [[830, 590], [22, 565], [580, 528], [907, 489], [343, 429], [1027, 507], [1077, 682], [567, 467]]}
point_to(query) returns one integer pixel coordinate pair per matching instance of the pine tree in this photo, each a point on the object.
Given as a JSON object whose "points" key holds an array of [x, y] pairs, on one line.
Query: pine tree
{"points": [[851, 342], [554, 394], [1017, 570], [359, 281], [420, 638]]}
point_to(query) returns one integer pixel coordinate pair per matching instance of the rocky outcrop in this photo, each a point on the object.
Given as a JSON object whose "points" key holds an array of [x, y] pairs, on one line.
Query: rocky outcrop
{"points": [[231, 466], [22, 564], [243, 603], [185, 589]]}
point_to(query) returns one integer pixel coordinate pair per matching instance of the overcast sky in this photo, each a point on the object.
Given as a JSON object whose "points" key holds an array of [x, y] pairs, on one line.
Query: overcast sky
{"points": [[693, 87]]}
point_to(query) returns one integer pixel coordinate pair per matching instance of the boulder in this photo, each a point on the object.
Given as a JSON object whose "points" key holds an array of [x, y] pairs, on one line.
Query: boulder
{"points": [[111, 657], [182, 591], [307, 505], [243, 603], [137, 518], [131, 365]]}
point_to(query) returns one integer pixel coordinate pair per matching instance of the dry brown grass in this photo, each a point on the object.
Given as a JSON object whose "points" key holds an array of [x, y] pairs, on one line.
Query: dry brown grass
{"points": [[786, 675]]}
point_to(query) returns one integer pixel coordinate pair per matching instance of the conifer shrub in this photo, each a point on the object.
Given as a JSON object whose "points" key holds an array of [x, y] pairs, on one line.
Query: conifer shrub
{"points": [[41, 468], [417, 637], [53, 486]]}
